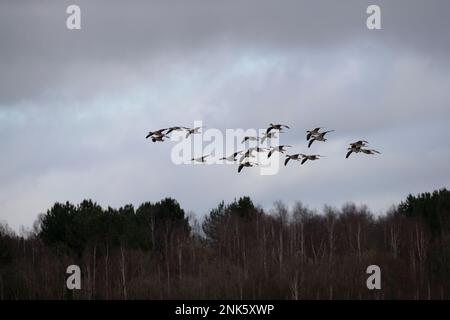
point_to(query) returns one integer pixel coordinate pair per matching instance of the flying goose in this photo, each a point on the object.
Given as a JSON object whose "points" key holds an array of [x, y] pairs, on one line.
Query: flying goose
{"points": [[192, 131], [357, 147], [155, 133], [158, 138], [176, 128], [200, 159], [313, 132], [273, 126], [310, 157], [370, 151], [280, 148], [297, 157], [319, 137], [249, 138], [246, 164], [231, 157], [359, 143], [353, 148], [268, 135], [249, 152]]}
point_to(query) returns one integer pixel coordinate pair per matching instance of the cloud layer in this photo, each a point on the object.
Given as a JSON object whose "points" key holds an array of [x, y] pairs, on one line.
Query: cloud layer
{"points": [[75, 105]]}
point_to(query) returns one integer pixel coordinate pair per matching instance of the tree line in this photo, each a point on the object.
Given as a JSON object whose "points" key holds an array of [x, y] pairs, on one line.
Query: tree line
{"points": [[238, 251]]}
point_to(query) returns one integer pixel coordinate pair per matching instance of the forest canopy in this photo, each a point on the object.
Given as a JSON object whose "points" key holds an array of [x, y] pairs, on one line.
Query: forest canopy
{"points": [[239, 250]]}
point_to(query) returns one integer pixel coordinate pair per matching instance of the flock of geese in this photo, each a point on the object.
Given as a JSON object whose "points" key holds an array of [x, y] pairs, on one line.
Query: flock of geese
{"points": [[243, 157]]}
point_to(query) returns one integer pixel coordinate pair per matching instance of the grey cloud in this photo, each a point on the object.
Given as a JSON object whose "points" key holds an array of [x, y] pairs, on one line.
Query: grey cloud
{"points": [[75, 106], [38, 53]]}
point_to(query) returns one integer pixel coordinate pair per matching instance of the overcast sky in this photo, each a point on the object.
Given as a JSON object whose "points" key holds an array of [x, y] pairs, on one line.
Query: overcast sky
{"points": [[75, 106]]}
